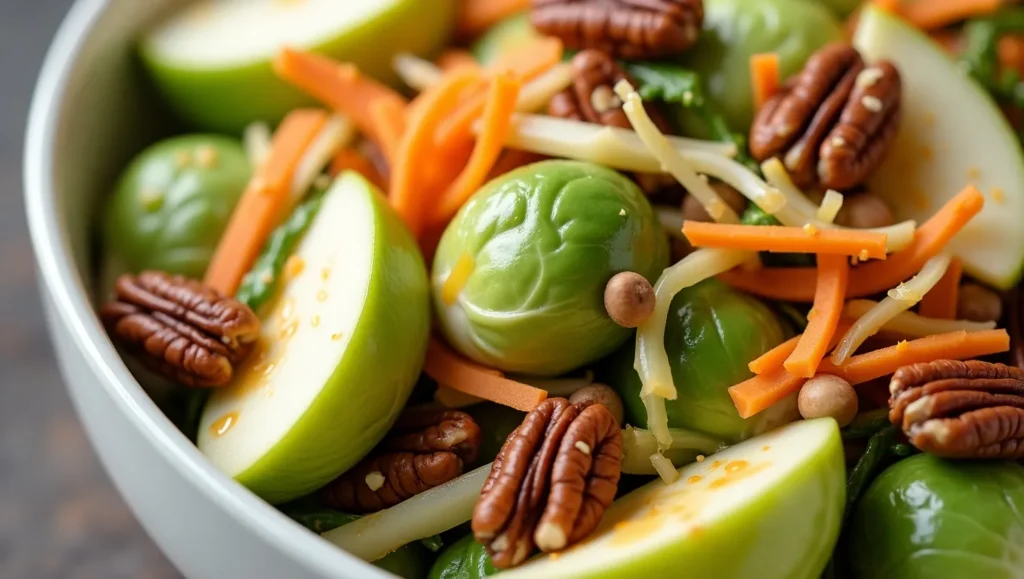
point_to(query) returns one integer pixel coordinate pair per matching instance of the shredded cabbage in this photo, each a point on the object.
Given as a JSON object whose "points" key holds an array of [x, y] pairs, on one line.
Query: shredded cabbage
{"points": [[638, 445], [256, 139], [424, 515], [830, 206], [800, 211], [671, 219], [899, 300], [415, 72], [666, 470], [536, 94], [338, 132], [912, 325], [669, 158]]}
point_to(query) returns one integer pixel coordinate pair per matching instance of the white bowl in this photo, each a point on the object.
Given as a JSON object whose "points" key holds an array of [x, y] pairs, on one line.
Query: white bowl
{"points": [[89, 114]]}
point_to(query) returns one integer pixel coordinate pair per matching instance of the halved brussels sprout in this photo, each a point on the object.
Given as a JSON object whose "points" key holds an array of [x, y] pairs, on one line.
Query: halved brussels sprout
{"points": [[519, 275], [173, 202], [712, 333], [465, 559], [927, 517]]}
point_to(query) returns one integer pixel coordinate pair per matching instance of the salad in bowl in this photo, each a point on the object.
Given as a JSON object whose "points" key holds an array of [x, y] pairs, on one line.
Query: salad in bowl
{"points": [[592, 288]]}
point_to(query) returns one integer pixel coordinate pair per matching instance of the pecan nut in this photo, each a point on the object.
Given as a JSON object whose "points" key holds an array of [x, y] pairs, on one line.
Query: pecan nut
{"points": [[182, 329], [960, 410], [426, 448], [627, 28], [591, 97], [551, 483], [833, 123]]}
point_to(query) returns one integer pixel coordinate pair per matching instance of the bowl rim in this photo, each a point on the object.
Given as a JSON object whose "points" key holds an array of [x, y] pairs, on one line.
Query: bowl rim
{"points": [[56, 271]]}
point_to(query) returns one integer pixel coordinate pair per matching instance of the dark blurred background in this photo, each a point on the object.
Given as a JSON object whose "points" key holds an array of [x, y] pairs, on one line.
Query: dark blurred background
{"points": [[60, 517]]}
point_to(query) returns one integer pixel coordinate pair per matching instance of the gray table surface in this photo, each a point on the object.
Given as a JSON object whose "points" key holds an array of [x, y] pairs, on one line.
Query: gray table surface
{"points": [[60, 517]]}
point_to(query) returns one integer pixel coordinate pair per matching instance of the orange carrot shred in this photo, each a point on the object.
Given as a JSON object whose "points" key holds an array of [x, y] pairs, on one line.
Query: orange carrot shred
{"points": [[408, 179], [264, 201], [497, 121], [952, 346], [349, 159], [343, 88], [455, 58], [941, 301], [833, 274], [931, 14], [458, 373], [761, 392], [773, 359], [778, 238], [797, 284], [388, 116], [476, 16], [526, 62], [890, 6], [764, 76]]}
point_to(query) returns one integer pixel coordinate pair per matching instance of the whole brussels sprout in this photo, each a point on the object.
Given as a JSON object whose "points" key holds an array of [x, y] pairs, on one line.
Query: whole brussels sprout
{"points": [[465, 559], [540, 244], [927, 517], [736, 29], [841, 8], [713, 331], [173, 202]]}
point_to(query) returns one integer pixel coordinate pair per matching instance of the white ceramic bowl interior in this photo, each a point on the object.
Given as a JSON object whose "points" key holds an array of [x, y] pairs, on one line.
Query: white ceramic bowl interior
{"points": [[90, 113]]}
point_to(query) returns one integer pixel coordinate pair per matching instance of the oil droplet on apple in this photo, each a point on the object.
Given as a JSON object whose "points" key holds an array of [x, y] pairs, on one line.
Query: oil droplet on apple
{"points": [[694, 479], [321, 296], [222, 425], [288, 308]]}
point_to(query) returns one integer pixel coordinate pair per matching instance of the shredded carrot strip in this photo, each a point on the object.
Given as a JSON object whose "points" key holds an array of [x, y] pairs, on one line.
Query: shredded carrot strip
{"points": [[833, 274], [940, 302], [476, 16], [773, 359], [526, 62], [458, 373], [1011, 52], [342, 87], [264, 201], [952, 346], [348, 159], [797, 284], [410, 172], [778, 238], [764, 76], [455, 58], [388, 117], [931, 14], [497, 121], [890, 6], [761, 392]]}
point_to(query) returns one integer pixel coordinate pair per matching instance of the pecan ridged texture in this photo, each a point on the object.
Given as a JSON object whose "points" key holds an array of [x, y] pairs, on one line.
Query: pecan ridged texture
{"points": [[963, 410], [551, 483], [630, 29], [425, 449], [181, 328], [833, 123], [591, 97]]}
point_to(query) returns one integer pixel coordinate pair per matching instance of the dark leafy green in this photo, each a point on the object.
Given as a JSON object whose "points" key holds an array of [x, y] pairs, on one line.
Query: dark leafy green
{"points": [[980, 56], [466, 559], [260, 284], [925, 518], [866, 424], [879, 446], [754, 215]]}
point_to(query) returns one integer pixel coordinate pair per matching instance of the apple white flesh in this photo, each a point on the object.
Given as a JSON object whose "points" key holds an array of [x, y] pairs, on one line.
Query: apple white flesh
{"points": [[770, 508], [341, 347], [951, 134]]}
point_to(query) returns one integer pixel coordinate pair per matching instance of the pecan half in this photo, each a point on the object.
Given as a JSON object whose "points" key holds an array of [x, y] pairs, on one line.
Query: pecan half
{"points": [[551, 483], [592, 98], [627, 28], [961, 410], [180, 328], [426, 448], [833, 123]]}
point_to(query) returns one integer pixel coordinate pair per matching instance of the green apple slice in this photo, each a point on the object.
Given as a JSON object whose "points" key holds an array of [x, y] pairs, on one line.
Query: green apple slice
{"points": [[952, 134], [340, 351], [770, 508], [212, 59]]}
